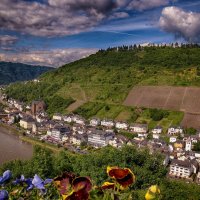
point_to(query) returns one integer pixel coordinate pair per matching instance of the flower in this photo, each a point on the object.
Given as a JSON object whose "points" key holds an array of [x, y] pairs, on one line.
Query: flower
{"points": [[108, 185], [123, 176], [39, 183], [19, 180], [3, 195], [63, 182], [81, 187], [152, 192], [29, 183], [6, 176]]}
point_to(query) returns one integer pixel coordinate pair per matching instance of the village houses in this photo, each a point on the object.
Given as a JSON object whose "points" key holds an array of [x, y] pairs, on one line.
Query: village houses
{"points": [[122, 125], [95, 122], [174, 130], [27, 122]]}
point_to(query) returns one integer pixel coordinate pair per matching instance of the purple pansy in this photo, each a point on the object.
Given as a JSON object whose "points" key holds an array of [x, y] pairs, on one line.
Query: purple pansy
{"points": [[3, 195], [6, 176]]}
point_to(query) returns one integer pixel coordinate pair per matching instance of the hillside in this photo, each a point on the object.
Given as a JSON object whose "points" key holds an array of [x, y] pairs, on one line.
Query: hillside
{"points": [[104, 79], [12, 72]]}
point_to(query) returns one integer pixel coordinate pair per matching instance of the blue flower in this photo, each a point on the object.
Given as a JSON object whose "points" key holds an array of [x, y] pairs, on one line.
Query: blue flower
{"points": [[6, 176], [29, 183], [39, 183], [19, 180], [3, 195]]}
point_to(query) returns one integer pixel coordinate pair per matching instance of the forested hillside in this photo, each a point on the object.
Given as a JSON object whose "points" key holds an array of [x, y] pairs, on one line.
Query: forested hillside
{"points": [[107, 76], [12, 72]]}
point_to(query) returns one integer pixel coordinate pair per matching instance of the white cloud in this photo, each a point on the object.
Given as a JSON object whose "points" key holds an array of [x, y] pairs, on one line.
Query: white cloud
{"points": [[53, 58], [147, 4], [181, 23], [119, 15], [7, 40]]}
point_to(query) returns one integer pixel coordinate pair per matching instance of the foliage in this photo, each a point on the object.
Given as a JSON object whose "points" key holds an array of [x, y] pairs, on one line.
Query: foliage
{"points": [[157, 114], [57, 104], [196, 146], [190, 131], [1, 107], [12, 72]]}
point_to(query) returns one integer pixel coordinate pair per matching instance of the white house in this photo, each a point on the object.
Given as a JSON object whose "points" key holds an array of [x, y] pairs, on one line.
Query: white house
{"points": [[18, 105], [107, 123], [27, 122], [78, 129], [139, 128], [79, 120], [157, 130], [57, 117], [172, 139], [99, 138], [68, 118], [156, 136], [122, 125], [58, 132], [181, 169], [78, 139], [39, 118], [95, 122], [188, 145], [173, 130]]}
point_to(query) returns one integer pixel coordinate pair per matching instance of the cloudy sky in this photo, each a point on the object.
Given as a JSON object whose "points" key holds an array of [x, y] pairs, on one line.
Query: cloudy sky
{"points": [[54, 32]]}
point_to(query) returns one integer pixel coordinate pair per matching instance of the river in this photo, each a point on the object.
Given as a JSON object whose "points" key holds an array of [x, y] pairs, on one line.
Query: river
{"points": [[11, 147]]}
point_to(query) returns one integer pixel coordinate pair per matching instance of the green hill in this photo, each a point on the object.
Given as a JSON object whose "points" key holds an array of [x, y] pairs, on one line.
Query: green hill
{"points": [[104, 79], [12, 72]]}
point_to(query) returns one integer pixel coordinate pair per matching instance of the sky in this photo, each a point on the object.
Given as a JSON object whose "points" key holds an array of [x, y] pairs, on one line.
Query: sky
{"points": [[55, 32]]}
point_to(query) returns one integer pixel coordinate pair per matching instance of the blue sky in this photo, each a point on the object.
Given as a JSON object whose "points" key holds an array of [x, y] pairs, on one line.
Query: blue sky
{"points": [[54, 32]]}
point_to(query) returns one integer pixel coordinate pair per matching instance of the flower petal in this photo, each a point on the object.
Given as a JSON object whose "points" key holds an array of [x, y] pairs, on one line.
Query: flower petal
{"points": [[63, 182], [82, 183], [6, 176], [152, 192], [38, 182], [3, 195], [107, 185], [124, 176]]}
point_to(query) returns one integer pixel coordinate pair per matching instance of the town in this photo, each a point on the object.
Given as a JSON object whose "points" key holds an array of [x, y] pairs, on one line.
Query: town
{"points": [[78, 134]]}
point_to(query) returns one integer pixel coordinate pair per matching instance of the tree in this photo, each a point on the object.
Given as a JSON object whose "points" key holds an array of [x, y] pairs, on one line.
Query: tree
{"points": [[157, 114], [191, 131], [42, 162], [196, 146]]}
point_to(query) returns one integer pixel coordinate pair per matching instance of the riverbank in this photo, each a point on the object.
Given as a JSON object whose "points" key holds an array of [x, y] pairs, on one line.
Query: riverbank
{"points": [[42, 144], [33, 141]]}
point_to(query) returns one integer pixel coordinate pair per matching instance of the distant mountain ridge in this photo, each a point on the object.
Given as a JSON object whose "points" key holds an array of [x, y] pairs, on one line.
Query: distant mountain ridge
{"points": [[12, 72]]}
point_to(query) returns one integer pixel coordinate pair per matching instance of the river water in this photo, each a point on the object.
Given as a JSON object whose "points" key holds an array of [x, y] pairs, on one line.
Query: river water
{"points": [[11, 147]]}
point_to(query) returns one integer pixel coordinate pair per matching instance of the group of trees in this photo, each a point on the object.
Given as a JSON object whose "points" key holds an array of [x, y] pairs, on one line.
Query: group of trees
{"points": [[140, 47], [157, 114]]}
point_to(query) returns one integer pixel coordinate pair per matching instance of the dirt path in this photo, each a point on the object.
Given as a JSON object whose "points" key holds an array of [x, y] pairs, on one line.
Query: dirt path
{"points": [[75, 105]]}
